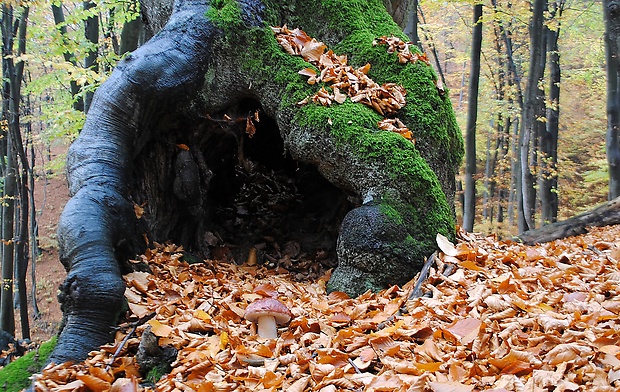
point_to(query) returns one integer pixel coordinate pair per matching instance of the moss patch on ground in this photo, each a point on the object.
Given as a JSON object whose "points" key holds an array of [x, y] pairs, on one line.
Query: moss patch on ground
{"points": [[16, 375]]}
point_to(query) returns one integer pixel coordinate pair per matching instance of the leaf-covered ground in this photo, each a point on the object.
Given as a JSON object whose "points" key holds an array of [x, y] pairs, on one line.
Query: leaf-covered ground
{"points": [[497, 316]]}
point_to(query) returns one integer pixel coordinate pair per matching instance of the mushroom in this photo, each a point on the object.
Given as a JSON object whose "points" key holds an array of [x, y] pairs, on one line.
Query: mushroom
{"points": [[267, 312]]}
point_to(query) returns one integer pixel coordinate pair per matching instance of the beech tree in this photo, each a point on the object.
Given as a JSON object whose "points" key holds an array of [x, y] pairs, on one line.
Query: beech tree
{"points": [[533, 111], [548, 178], [15, 167], [611, 10], [218, 135], [472, 116]]}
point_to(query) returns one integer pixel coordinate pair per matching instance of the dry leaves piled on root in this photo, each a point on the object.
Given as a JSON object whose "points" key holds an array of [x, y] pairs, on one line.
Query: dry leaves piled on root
{"points": [[343, 79], [402, 49], [508, 317], [405, 55]]}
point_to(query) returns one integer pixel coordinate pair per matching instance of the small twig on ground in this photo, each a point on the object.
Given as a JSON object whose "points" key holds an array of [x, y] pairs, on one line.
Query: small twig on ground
{"points": [[357, 370], [415, 293], [417, 289], [134, 326]]}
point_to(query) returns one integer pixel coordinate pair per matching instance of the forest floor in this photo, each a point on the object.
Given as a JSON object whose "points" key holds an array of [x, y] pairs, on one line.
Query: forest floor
{"points": [[495, 316], [51, 195], [502, 316]]}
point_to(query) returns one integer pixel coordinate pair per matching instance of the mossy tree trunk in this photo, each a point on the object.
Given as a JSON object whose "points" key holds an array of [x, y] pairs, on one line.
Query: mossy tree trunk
{"points": [[167, 132]]}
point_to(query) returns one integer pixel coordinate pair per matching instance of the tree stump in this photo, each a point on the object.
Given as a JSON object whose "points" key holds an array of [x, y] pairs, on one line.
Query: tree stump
{"points": [[201, 131]]}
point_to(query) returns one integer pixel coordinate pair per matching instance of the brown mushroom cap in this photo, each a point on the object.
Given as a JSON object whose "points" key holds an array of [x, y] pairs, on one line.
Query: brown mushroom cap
{"points": [[268, 307]]}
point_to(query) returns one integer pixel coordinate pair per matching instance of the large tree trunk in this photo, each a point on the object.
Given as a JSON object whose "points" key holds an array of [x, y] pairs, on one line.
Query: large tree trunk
{"points": [[167, 131], [549, 136]]}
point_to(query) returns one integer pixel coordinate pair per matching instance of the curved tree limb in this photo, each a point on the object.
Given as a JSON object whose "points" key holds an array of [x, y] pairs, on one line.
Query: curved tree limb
{"points": [[98, 224]]}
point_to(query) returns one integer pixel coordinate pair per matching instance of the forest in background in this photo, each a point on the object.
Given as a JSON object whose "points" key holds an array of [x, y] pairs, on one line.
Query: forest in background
{"points": [[56, 54], [582, 168]]}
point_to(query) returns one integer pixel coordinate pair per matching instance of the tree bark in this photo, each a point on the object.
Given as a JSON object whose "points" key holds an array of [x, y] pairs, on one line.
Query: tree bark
{"points": [[531, 113], [472, 116], [611, 12], [411, 29], [549, 137], [7, 318], [157, 136], [91, 33], [12, 30]]}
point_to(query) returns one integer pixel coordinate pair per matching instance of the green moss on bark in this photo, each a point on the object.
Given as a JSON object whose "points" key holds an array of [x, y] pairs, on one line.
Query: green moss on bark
{"points": [[413, 182], [225, 14]]}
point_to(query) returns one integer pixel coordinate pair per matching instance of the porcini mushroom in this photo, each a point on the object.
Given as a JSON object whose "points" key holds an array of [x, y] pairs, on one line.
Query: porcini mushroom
{"points": [[267, 312]]}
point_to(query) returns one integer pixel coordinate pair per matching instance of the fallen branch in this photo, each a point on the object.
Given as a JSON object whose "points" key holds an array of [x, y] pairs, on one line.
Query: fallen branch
{"points": [[605, 215], [134, 326]]}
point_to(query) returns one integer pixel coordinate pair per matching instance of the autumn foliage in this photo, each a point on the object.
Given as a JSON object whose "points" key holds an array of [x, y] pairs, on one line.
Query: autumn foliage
{"points": [[496, 315]]}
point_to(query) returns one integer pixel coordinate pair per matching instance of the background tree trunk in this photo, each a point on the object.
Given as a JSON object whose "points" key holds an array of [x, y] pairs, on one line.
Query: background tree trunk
{"points": [[549, 137], [13, 29], [472, 116], [411, 29], [534, 99], [91, 32], [59, 20], [611, 10]]}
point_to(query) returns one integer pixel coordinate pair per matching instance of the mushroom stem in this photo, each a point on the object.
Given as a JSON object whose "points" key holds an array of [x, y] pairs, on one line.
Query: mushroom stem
{"points": [[267, 327]]}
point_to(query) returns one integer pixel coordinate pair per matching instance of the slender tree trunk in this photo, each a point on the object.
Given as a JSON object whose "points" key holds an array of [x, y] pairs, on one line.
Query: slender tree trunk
{"points": [[412, 23], [611, 10], [429, 41], [12, 250], [472, 116], [7, 318], [549, 137], [33, 234], [505, 177], [21, 246], [462, 88], [21, 252], [531, 113], [488, 174], [496, 133], [515, 178], [59, 20], [91, 32], [494, 143]]}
